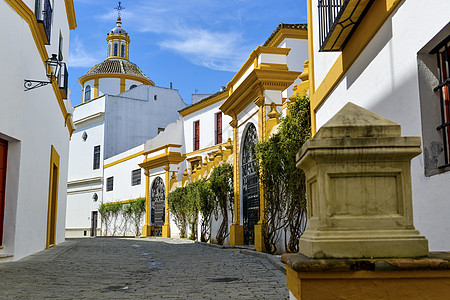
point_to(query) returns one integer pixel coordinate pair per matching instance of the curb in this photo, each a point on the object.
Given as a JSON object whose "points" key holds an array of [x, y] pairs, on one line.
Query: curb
{"points": [[274, 260]]}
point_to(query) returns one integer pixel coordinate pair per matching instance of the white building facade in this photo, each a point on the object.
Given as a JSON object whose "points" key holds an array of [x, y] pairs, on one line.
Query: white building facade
{"points": [[398, 68], [35, 125], [121, 109]]}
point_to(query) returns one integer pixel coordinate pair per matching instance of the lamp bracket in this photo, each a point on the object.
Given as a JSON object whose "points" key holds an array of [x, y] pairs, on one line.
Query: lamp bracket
{"points": [[33, 84]]}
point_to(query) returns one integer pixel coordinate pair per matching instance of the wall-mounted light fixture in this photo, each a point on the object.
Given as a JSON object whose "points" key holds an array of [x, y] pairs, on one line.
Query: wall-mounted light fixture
{"points": [[52, 66]]}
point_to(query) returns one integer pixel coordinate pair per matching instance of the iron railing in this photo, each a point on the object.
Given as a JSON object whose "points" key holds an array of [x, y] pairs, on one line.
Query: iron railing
{"points": [[443, 62], [45, 16], [328, 13]]}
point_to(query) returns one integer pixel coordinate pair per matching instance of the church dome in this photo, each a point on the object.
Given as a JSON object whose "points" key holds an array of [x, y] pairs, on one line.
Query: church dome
{"points": [[117, 66]]}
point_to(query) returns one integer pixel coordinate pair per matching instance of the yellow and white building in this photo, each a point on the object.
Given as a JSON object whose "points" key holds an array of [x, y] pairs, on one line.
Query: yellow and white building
{"points": [[35, 125], [223, 127], [392, 58]]}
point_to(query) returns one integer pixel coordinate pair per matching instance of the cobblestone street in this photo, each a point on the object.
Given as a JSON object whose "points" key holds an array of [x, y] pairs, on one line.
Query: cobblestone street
{"points": [[128, 268]]}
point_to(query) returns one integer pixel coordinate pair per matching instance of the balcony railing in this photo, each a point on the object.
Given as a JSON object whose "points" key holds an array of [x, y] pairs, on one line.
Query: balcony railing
{"points": [[44, 17], [63, 79], [338, 19]]}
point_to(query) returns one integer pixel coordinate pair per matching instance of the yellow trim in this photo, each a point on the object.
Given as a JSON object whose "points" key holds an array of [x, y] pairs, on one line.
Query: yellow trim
{"points": [[70, 11], [122, 84], [202, 104], [123, 159], [166, 226], [369, 26], [162, 160], [285, 33], [312, 87], [52, 198], [123, 201], [205, 149], [237, 214], [82, 80], [40, 40], [247, 91], [163, 147], [251, 60], [95, 88]]}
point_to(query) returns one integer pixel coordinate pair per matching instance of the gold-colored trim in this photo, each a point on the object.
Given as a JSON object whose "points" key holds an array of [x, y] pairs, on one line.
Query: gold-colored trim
{"points": [[251, 60], [285, 33], [277, 80], [162, 160], [205, 149], [162, 147], [40, 40], [123, 159], [71, 17], [203, 103], [82, 80], [312, 87], [122, 84], [123, 201], [369, 26], [96, 83], [52, 197]]}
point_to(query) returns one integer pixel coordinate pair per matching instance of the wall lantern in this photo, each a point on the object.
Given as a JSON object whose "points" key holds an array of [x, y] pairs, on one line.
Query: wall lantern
{"points": [[52, 66]]}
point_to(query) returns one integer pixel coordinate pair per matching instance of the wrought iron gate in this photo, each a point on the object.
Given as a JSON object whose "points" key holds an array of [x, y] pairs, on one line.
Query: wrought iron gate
{"points": [[250, 186], [157, 206]]}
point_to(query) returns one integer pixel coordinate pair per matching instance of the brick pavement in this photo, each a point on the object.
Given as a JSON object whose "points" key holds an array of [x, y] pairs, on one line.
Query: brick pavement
{"points": [[133, 268]]}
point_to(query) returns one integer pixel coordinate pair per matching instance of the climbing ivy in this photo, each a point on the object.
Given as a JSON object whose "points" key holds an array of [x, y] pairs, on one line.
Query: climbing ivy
{"points": [[283, 183], [118, 217]]}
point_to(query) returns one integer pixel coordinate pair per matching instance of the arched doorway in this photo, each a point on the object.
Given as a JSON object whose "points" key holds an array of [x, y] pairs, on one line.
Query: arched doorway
{"points": [[157, 206], [250, 185]]}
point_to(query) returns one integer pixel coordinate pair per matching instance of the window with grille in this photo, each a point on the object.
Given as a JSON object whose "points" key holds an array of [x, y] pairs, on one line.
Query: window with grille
{"points": [[122, 50], [218, 128], [196, 135], [96, 158], [115, 49], [87, 93], [136, 177], [110, 183], [443, 65]]}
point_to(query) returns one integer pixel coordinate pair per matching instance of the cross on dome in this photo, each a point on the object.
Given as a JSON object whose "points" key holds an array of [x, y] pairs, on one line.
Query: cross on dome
{"points": [[119, 8]]}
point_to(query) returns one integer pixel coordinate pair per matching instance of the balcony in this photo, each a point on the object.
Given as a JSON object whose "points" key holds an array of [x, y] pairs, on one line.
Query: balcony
{"points": [[338, 19], [44, 19]]}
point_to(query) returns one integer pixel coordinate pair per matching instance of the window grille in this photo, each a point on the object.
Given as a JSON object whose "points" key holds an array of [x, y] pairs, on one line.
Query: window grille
{"points": [[443, 63], [109, 183], [96, 158], [87, 93], [136, 177]]}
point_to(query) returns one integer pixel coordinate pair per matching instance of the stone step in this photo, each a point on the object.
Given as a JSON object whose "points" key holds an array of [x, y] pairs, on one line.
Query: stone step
{"points": [[5, 258]]}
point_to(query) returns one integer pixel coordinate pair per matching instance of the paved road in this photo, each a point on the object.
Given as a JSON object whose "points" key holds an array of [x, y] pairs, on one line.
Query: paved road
{"points": [[155, 268]]}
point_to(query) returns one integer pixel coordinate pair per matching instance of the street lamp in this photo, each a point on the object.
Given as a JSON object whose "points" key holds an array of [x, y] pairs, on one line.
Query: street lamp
{"points": [[52, 66]]}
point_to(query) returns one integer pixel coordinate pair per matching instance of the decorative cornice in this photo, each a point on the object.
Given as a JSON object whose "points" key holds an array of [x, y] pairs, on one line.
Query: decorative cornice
{"points": [[85, 181]]}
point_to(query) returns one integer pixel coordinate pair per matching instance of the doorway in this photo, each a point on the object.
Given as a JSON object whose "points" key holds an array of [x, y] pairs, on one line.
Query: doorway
{"points": [[94, 222], [3, 158]]}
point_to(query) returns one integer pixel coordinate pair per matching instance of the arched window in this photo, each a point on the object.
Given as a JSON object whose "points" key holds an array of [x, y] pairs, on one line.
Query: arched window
{"points": [[133, 86], [87, 93], [122, 50], [115, 49]]}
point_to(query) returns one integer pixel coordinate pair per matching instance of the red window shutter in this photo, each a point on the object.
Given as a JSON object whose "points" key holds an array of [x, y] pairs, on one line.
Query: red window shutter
{"points": [[219, 128], [196, 135]]}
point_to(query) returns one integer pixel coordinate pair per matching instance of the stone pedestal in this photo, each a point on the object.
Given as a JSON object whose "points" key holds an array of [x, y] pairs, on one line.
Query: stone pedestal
{"points": [[358, 181], [368, 279], [236, 235]]}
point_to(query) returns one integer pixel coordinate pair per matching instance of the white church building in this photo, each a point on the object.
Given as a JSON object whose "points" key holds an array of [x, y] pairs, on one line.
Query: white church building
{"points": [[121, 109]]}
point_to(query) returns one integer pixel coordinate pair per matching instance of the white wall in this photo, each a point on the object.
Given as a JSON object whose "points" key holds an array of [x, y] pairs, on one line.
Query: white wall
{"points": [[122, 189], [384, 79], [295, 59], [31, 121], [134, 116], [206, 116]]}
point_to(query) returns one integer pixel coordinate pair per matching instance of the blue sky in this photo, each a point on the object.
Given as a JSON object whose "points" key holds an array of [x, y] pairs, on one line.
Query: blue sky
{"points": [[196, 44]]}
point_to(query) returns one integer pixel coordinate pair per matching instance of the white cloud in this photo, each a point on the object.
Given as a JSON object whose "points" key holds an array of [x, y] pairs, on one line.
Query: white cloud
{"points": [[79, 57], [217, 51]]}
